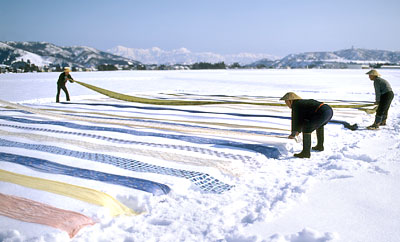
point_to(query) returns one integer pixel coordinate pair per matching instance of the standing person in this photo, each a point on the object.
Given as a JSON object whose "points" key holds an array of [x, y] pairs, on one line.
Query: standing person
{"points": [[62, 80], [383, 98], [308, 115]]}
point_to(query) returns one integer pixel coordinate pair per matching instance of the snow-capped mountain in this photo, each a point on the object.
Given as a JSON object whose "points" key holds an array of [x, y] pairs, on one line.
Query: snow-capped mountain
{"points": [[333, 59], [43, 53], [156, 55]]}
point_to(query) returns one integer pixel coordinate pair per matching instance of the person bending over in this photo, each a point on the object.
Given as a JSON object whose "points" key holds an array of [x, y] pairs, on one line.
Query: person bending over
{"points": [[308, 115]]}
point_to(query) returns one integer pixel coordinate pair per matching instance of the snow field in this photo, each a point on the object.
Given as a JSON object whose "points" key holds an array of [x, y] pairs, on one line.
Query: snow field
{"points": [[273, 199]]}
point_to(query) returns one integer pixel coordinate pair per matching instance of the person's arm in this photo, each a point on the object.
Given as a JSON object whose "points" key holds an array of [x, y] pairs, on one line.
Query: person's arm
{"points": [[377, 91], [296, 124], [70, 79]]}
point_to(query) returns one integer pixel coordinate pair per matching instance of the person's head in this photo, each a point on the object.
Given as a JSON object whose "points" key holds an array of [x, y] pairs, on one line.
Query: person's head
{"points": [[67, 70], [289, 98], [373, 74]]}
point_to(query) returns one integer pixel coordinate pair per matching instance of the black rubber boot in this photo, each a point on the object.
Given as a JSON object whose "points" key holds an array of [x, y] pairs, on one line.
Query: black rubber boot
{"points": [[320, 139], [306, 146]]}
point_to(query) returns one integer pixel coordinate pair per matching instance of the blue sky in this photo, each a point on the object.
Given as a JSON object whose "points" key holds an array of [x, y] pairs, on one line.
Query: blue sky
{"points": [[221, 26]]}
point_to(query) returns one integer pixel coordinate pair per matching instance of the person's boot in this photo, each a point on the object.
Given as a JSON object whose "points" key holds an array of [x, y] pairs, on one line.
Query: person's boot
{"points": [[375, 125], [306, 146], [383, 123], [320, 139]]}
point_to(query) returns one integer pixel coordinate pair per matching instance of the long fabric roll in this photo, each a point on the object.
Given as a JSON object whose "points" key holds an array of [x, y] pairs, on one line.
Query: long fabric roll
{"points": [[81, 193], [56, 168], [128, 98], [34, 212]]}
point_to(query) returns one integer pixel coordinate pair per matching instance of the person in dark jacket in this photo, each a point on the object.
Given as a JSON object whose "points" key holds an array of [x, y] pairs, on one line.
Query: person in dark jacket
{"points": [[62, 80], [383, 98], [308, 115]]}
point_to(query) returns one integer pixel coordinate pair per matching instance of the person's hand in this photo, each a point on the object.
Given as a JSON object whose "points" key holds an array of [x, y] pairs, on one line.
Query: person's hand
{"points": [[293, 135]]}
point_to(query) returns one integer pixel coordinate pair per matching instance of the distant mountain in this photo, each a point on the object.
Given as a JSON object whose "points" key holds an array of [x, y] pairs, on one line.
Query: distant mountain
{"points": [[158, 56], [43, 53], [336, 59]]}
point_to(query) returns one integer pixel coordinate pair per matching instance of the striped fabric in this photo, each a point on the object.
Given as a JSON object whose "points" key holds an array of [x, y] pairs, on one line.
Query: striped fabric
{"points": [[206, 182], [81, 193], [34, 212], [56, 168], [268, 151]]}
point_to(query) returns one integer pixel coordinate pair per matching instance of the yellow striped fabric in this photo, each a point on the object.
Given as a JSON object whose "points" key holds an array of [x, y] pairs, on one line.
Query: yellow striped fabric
{"points": [[81, 193]]}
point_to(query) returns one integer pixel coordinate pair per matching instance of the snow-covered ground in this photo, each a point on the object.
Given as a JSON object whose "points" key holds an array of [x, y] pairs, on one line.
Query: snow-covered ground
{"points": [[349, 192]]}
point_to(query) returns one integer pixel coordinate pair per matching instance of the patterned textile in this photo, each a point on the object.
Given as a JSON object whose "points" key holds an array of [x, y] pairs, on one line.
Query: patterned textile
{"points": [[55, 168], [270, 152], [204, 181], [225, 166], [35, 212], [81, 193], [201, 150]]}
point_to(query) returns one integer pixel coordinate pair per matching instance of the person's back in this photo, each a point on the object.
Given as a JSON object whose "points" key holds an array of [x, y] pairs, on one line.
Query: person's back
{"points": [[381, 87]]}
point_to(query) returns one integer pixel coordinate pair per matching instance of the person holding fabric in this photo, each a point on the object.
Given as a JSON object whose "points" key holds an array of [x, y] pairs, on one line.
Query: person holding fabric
{"points": [[308, 115], [62, 80], [383, 98]]}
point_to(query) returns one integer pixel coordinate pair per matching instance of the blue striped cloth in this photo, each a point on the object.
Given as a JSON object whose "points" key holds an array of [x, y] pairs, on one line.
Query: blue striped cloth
{"points": [[56, 168], [204, 181]]}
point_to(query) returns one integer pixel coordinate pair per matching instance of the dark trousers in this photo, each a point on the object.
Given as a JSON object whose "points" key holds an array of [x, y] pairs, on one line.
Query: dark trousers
{"points": [[384, 105], [64, 88], [321, 117]]}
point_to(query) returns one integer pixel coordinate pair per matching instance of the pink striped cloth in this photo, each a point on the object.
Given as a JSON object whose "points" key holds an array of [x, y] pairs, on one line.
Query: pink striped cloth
{"points": [[35, 212]]}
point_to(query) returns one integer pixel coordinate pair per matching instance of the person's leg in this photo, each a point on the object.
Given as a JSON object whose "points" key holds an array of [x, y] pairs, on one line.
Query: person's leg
{"points": [[58, 93], [64, 88], [382, 111], [320, 139], [388, 100], [317, 122], [306, 146]]}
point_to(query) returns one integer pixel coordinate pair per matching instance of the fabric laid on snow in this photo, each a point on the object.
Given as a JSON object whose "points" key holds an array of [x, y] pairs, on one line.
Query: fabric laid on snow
{"points": [[202, 128], [346, 124], [208, 112], [205, 182], [56, 168], [201, 150], [77, 192], [224, 166], [35, 212], [269, 152]]}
